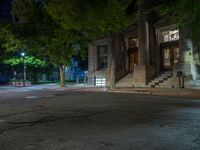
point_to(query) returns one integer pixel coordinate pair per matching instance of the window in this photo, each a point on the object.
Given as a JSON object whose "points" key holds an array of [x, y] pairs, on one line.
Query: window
{"points": [[100, 81], [176, 55], [102, 57], [167, 58], [169, 35], [133, 42]]}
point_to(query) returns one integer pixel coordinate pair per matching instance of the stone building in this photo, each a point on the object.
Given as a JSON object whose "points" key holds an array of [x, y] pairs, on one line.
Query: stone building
{"points": [[157, 54]]}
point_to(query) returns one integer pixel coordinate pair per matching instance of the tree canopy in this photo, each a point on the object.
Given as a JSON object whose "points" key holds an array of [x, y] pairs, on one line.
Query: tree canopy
{"points": [[93, 18], [30, 60], [64, 28], [185, 13]]}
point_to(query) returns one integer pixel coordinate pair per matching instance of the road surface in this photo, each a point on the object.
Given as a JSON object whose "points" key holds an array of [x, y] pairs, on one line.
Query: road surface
{"points": [[72, 120]]}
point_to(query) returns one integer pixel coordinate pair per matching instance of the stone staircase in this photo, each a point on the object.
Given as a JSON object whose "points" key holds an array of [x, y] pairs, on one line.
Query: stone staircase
{"points": [[126, 81], [164, 80]]}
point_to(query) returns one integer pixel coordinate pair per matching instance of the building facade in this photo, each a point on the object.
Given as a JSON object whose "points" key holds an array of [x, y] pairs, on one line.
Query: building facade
{"points": [[156, 54]]}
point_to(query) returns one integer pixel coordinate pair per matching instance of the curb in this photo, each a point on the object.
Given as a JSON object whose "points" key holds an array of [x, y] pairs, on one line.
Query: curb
{"points": [[181, 94]]}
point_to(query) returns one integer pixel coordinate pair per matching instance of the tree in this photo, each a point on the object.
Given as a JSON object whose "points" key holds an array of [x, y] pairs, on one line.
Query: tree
{"points": [[185, 13], [94, 19], [62, 47], [9, 41], [38, 33], [34, 65]]}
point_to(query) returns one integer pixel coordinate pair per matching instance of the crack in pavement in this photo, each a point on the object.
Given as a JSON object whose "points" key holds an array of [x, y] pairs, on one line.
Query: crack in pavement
{"points": [[26, 124], [49, 119], [19, 113], [41, 108]]}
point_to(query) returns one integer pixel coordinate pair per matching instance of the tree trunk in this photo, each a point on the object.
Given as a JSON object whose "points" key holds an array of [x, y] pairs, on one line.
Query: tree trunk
{"points": [[34, 78], [113, 63], [62, 75]]}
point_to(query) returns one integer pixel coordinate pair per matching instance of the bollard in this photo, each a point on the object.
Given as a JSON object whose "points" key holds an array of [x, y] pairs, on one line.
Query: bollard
{"points": [[85, 80], [77, 80]]}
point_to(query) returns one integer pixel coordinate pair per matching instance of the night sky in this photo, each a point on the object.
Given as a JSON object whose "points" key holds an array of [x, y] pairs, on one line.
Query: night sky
{"points": [[5, 9]]}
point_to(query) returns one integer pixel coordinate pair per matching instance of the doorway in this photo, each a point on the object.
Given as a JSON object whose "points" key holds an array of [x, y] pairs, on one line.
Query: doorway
{"points": [[133, 59], [169, 57]]}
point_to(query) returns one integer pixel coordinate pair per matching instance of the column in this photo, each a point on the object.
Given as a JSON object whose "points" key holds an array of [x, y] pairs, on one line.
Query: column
{"points": [[141, 71], [186, 62]]}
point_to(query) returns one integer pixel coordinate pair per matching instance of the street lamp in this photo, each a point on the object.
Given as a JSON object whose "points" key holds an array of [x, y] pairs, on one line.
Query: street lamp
{"points": [[24, 68], [22, 54]]}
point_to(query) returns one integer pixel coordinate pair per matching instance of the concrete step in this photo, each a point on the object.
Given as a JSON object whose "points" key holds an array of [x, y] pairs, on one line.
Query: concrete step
{"points": [[126, 81], [156, 81], [163, 86], [126, 78], [161, 78], [166, 82], [124, 85], [162, 81]]}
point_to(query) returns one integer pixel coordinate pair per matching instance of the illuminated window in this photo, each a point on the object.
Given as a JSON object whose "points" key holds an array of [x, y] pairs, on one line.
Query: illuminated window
{"points": [[102, 57], [100, 81], [176, 55], [170, 35], [167, 58]]}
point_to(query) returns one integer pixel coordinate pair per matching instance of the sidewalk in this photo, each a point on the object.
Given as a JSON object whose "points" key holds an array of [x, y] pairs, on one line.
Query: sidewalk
{"points": [[175, 92], [28, 88], [185, 93], [52, 86]]}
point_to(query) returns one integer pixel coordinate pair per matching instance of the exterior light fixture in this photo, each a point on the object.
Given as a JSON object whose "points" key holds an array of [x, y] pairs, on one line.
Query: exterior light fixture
{"points": [[24, 68]]}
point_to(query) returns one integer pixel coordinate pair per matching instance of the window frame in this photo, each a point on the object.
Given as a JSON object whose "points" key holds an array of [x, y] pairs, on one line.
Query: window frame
{"points": [[101, 56]]}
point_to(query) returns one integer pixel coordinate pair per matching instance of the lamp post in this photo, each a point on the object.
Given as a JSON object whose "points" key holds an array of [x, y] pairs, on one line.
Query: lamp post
{"points": [[24, 68]]}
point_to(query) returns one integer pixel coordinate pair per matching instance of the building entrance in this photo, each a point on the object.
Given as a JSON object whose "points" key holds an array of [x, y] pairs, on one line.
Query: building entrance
{"points": [[169, 57], [133, 44], [133, 59]]}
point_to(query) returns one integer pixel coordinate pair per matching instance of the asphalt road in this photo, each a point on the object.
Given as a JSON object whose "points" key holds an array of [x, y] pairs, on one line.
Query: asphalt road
{"points": [[50, 120]]}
